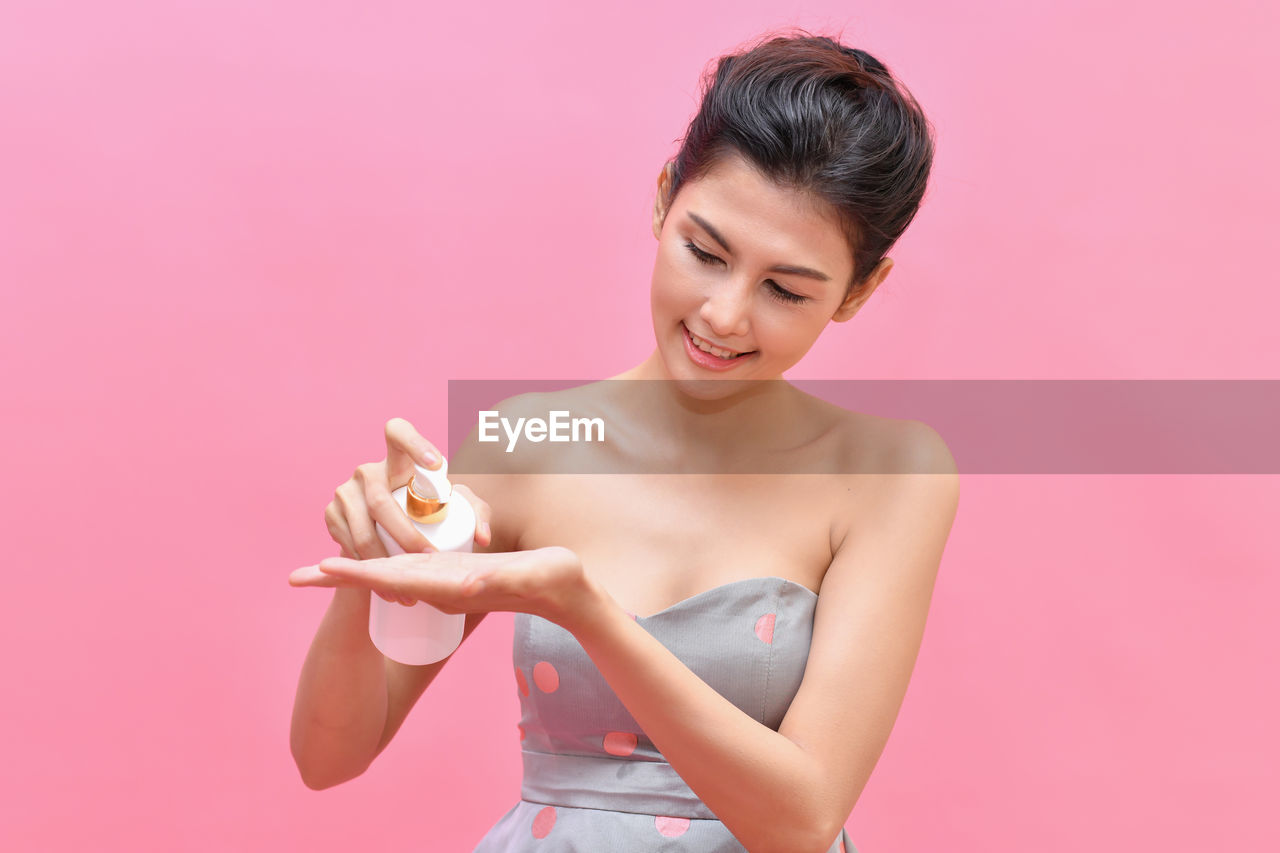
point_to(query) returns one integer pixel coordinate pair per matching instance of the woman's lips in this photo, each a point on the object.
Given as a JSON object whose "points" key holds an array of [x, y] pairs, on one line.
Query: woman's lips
{"points": [[706, 359]]}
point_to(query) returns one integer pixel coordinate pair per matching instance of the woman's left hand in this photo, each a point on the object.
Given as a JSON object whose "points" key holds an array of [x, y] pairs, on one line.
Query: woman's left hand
{"points": [[548, 582]]}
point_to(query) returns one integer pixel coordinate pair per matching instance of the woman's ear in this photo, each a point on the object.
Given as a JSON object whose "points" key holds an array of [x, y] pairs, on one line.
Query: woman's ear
{"points": [[661, 204], [859, 295]]}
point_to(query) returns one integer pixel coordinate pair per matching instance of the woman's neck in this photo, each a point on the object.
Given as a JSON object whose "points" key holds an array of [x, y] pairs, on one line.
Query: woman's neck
{"points": [[714, 418]]}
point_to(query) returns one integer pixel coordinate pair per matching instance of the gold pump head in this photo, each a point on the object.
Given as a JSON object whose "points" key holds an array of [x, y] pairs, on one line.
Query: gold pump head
{"points": [[433, 509]]}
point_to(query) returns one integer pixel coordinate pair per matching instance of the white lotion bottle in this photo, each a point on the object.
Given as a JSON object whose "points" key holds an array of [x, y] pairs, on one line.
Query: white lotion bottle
{"points": [[420, 634]]}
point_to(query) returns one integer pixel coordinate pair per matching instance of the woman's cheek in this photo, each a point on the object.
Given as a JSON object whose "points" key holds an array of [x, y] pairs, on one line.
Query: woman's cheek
{"points": [[677, 284]]}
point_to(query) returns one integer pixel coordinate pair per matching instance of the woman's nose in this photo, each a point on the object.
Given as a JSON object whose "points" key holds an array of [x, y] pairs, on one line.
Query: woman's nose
{"points": [[725, 311]]}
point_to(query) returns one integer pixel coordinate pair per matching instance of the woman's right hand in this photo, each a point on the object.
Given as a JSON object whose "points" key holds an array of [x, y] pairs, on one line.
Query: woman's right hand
{"points": [[366, 498]]}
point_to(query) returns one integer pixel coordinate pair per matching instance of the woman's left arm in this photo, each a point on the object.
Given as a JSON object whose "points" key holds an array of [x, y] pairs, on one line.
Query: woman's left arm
{"points": [[793, 789]]}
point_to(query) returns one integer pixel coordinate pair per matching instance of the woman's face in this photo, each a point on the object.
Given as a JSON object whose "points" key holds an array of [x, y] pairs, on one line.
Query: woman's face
{"points": [[749, 269]]}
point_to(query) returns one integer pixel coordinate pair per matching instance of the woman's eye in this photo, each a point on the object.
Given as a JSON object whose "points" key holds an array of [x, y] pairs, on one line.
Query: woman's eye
{"points": [[776, 291], [784, 295], [705, 257]]}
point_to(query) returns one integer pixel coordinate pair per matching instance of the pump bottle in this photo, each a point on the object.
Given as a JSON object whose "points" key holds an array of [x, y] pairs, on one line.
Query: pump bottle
{"points": [[420, 634]]}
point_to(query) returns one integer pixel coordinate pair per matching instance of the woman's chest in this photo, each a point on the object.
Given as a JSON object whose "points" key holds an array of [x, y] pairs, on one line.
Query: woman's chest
{"points": [[654, 540]]}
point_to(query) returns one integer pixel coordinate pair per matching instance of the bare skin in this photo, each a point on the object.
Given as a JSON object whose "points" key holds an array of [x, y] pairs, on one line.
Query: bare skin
{"points": [[587, 551], [653, 540]]}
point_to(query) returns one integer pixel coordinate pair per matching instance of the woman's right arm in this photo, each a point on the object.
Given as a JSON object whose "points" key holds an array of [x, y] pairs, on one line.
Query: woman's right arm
{"points": [[351, 700]]}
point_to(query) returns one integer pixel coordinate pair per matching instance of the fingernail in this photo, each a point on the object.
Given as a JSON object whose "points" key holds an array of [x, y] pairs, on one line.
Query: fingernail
{"points": [[428, 457]]}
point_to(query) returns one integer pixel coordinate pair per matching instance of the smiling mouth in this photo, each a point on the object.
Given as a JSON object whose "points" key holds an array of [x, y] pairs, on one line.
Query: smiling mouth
{"points": [[711, 349]]}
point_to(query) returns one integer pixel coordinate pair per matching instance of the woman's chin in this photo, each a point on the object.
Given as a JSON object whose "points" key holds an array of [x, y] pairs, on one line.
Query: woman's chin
{"points": [[698, 384], [707, 389]]}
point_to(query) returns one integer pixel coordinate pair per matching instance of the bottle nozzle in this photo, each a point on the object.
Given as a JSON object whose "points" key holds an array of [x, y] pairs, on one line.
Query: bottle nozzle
{"points": [[427, 498]]}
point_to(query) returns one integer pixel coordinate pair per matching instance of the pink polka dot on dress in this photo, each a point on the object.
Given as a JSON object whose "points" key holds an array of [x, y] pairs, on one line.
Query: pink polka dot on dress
{"points": [[620, 743], [671, 827], [543, 821], [522, 683], [546, 677], [764, 627]]}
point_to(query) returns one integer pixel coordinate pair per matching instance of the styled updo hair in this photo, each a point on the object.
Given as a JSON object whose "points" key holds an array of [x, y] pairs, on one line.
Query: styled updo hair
{"points": [[814, 115]]}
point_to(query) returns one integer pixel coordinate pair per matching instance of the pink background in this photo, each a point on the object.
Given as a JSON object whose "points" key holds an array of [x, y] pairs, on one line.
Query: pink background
{"points": [[221, 224]]}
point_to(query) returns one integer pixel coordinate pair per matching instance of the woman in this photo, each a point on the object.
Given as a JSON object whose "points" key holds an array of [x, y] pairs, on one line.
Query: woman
{"points": [[784, 613]]}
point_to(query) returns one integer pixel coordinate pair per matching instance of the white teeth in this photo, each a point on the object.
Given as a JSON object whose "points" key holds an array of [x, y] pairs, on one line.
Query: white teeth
{"points": [[706, 347]]}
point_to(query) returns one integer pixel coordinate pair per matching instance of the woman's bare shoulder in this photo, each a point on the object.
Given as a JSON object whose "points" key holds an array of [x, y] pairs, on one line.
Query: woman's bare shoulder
{"points": [[872, 444]]}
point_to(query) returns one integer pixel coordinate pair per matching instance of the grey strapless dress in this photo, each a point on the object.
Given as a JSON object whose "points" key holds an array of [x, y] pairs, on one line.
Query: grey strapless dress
{"points": [[593, 783]]}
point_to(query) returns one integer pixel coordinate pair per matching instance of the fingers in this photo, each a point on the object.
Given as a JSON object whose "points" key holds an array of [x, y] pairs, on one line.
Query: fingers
{"points": [[391, 579], [415, 577], [484, 513], [312, 576], [381, 508], [404, 447], [346, 552], [386, 581], [339, 532], [355, 515], [364, 503], [454, 582]]}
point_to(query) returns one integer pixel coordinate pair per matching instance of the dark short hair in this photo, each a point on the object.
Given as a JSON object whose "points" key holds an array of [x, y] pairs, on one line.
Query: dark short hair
{"points": [[814, 115]]}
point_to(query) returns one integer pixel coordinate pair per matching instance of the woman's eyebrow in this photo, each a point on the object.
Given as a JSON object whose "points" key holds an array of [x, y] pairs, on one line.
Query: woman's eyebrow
{"points": [[782, 268]]}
